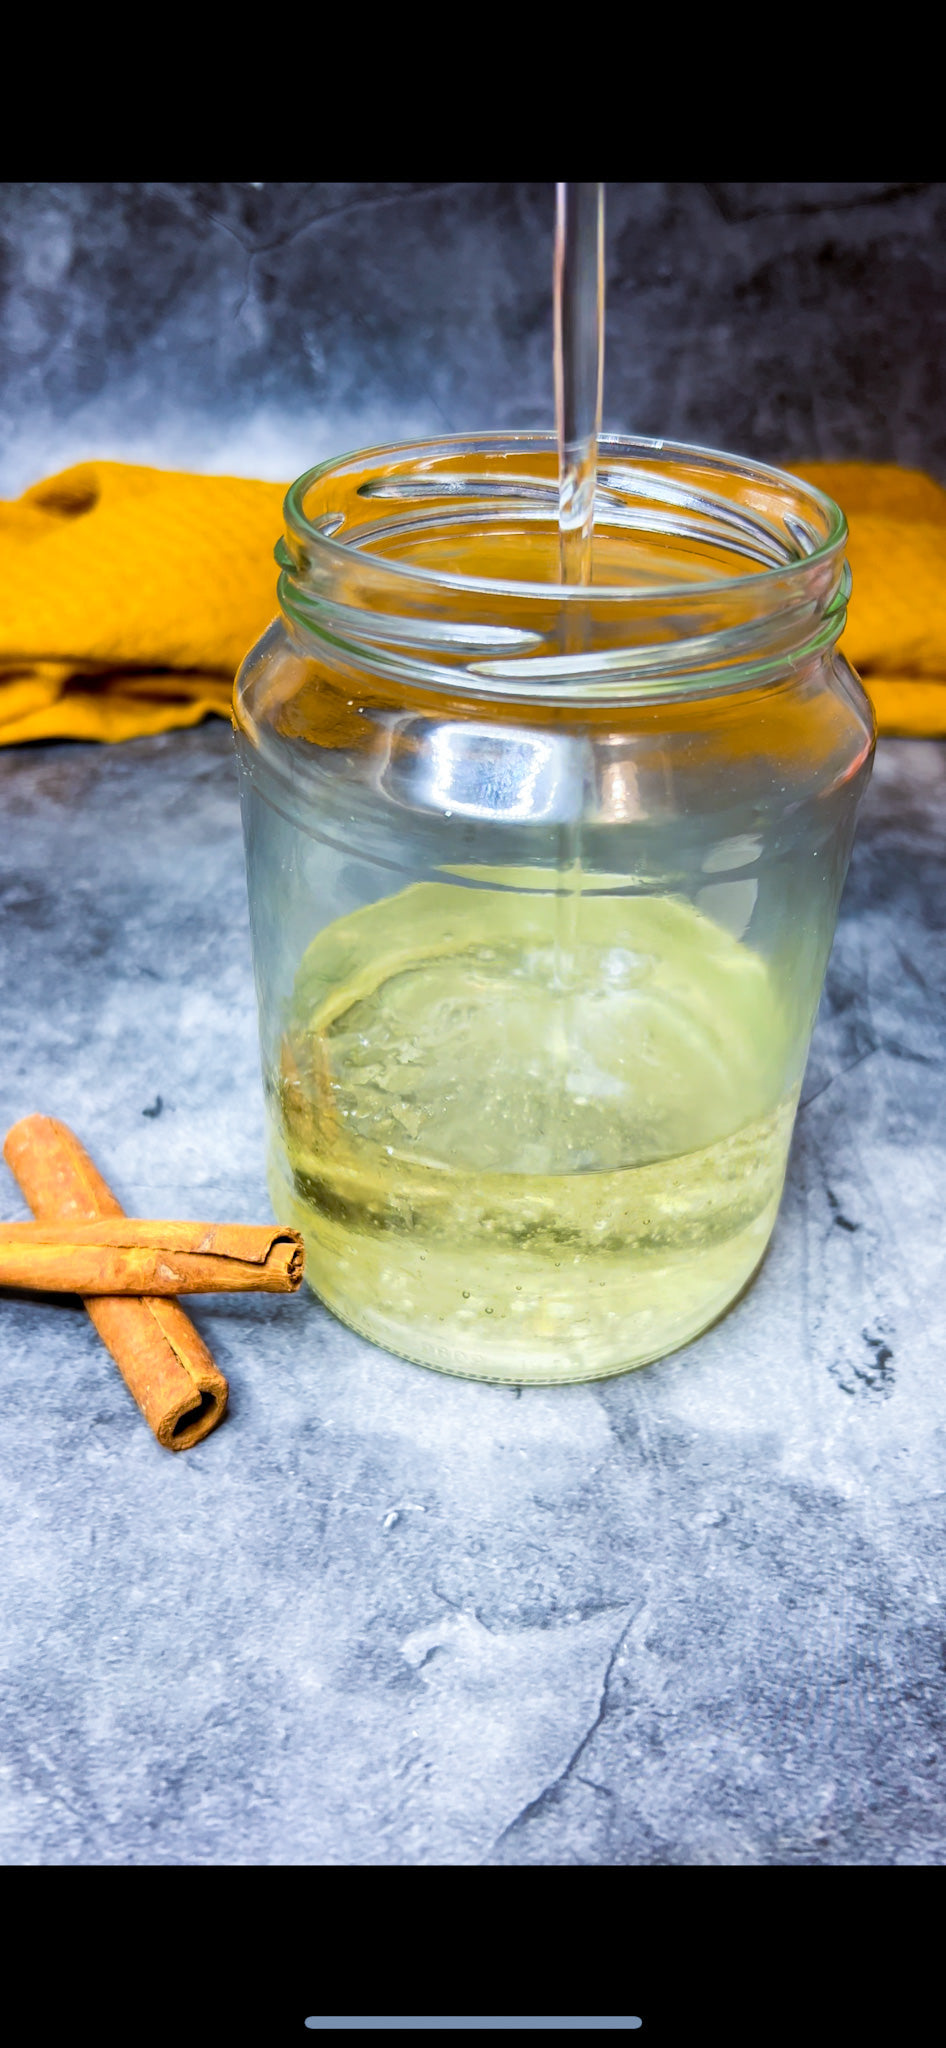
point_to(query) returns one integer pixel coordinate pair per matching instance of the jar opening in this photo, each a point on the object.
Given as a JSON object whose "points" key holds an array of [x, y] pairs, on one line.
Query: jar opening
{"points": [[669, 518], [435, 565]]}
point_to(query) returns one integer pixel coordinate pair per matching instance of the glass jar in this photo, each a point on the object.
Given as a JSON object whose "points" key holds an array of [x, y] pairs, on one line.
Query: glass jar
{"points": [[543, 883]]}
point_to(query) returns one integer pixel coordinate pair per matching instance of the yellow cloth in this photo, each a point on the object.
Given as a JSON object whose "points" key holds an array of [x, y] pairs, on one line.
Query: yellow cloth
{"points": [[128, 596], [896, 631]]}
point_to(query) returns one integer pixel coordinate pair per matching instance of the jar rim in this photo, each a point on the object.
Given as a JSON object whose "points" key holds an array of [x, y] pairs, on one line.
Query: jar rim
{"points": [[369, 608], [621, 446]]}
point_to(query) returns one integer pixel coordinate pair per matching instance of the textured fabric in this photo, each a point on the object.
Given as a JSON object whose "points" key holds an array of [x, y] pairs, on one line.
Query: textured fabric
{"points": [[896, 630], [128, 596]]}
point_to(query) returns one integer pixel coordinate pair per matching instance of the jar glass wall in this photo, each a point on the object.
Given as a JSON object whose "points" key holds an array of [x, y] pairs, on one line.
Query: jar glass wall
{"points": [[542, 885]]}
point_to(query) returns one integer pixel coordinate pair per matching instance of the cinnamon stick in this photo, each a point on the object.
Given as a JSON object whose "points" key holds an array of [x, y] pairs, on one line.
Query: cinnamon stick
{"points": [[163, 1362], [123, 1255]]}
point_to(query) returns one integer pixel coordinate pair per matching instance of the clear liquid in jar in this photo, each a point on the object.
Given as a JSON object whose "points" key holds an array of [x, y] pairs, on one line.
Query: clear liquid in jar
{"points": [[517, 1167]]}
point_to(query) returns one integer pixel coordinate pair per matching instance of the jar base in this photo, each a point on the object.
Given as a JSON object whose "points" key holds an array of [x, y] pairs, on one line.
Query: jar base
{"points": [[564, 1363]]}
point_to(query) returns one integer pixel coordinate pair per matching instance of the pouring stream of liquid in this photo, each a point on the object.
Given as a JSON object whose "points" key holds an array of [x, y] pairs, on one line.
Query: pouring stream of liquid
{"points": [[579, 370], [579, 367]]}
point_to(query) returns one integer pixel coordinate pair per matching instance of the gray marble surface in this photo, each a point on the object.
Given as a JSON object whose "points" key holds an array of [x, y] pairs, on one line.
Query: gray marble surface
{"points": [[263, 327], [692, 1616]]}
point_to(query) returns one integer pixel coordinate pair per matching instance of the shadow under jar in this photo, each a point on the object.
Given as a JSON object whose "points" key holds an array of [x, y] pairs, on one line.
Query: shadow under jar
{"points": [[543, 883]]}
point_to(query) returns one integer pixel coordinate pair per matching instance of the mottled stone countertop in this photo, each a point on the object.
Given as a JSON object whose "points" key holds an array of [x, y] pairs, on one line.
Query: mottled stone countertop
{"points": [[692, 1616]]}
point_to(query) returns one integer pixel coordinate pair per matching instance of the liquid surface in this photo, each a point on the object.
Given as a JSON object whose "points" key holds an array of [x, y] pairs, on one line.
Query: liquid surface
{"points": [[521, 1158]]}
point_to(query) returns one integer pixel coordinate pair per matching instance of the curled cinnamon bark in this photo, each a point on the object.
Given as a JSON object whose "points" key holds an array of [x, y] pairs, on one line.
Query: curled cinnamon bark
{"points": [[163, 1362], [123, 1255]]}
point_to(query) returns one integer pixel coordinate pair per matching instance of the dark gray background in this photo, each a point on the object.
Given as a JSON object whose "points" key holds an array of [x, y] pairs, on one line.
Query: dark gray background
{"points": [[259, 328]]}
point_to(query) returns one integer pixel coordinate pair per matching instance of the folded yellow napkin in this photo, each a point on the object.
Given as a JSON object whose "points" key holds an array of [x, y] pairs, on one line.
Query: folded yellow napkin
{"points": [[896, 629], [129, 596]]}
